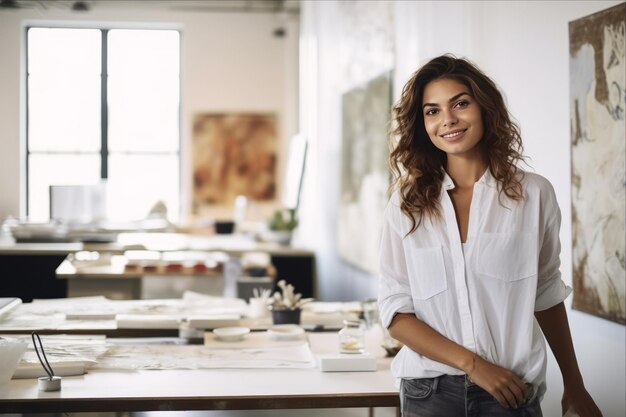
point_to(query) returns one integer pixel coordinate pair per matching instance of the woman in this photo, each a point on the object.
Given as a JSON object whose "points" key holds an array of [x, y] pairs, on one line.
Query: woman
{"points": [[470, 256]]}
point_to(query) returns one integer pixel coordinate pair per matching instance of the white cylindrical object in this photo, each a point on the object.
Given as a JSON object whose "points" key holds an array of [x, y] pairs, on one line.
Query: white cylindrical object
{"points": [[258, 308], [49, 384]]}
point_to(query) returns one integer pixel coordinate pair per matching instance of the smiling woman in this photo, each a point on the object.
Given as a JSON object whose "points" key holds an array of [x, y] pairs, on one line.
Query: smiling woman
{"points": [[470, 256]]}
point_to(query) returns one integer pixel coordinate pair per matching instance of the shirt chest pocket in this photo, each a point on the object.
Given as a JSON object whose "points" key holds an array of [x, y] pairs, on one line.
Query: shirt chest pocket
{"points": [[507, 256], [427, 271]]}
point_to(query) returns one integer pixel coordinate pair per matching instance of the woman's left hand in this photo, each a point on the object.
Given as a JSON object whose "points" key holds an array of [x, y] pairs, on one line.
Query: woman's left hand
{"points": [[579, 400]]}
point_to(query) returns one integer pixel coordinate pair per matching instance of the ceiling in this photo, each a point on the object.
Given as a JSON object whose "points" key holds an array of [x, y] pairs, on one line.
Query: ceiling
{"points": [[196, 6]]}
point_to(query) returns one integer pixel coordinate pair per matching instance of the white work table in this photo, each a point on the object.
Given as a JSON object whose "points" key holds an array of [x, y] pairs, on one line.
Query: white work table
{"points": [[50, 316], [214, 389]]}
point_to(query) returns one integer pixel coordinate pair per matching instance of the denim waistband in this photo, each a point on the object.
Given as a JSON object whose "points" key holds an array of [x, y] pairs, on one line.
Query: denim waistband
{"points": [[469, 384]]}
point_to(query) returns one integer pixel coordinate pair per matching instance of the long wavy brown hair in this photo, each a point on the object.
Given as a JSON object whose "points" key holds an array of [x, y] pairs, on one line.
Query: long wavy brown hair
{"points": [[418, 166]]}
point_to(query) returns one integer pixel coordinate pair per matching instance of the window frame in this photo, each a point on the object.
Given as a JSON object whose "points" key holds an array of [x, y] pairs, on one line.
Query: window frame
{"points": [[104, 139]]}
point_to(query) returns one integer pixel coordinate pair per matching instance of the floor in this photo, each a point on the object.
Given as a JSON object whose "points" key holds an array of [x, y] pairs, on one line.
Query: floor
{"points": [[345, 412]]}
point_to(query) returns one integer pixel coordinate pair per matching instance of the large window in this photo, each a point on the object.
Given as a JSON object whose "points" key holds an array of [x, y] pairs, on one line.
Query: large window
{"points": [[103, 104]]}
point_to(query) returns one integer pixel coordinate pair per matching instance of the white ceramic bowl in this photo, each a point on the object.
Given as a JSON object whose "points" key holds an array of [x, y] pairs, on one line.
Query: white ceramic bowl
{"points": [[11, 351], [285, 332], [231, 334]]}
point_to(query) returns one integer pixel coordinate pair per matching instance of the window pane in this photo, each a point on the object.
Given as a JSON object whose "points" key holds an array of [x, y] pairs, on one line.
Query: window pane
{"points": [[64, 97], [64, 89], [137, 182], [143, 90], [46, 170]]}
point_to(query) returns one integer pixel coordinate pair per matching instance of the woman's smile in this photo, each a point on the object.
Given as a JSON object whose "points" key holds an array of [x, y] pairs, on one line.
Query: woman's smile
{"points": [[454, 135]]}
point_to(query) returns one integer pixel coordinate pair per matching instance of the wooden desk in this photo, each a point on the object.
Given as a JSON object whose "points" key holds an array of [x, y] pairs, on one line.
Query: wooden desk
{"points": [[220, 389]]}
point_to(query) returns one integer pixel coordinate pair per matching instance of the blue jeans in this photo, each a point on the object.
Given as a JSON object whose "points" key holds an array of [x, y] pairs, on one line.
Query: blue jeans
{"points": [[456, 396]]}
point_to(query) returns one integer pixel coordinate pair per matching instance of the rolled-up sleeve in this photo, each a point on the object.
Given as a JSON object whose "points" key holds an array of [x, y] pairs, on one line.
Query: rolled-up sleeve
{"points": [[394, 293], [551, 290]]}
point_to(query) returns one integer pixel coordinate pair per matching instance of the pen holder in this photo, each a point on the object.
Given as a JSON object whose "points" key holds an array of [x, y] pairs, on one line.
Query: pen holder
{"points": [[258, 308], [49, 384]]}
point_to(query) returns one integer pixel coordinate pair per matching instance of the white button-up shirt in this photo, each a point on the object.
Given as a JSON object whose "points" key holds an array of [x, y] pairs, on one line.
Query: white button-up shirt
{"points": [[481, 294]]}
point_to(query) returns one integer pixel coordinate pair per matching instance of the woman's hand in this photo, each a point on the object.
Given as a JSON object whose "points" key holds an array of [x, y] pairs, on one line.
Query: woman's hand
{"points": [[555, 327], [578, 399], [506, 387]]}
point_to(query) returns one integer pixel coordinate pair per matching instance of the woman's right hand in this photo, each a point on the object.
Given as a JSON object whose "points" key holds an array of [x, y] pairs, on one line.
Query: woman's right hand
{"points": [[506, 387]]}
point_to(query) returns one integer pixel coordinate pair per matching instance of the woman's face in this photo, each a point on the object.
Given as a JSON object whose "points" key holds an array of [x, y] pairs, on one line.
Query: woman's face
{"points": [[452, 117]]}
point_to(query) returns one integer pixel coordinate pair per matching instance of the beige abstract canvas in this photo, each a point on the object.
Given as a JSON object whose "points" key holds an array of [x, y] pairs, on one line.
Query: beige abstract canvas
{"points": [[233, 154], [597, 103]]}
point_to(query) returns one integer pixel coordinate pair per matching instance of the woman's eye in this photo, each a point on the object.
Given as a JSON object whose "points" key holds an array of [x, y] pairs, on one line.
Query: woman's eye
{"points": [[430, 112], [462, 104]]}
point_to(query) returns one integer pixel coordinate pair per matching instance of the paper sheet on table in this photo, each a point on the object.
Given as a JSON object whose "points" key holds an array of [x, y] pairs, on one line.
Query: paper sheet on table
{"points": [[145, 321], [199, 298], [8, 303], [190, 303], [53, 313], [136, 357], [326, 307], [67, 354], [35, 370]]}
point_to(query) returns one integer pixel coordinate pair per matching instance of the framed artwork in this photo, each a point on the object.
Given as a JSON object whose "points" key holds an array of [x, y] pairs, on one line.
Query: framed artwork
{"points": [[598, 152], [233, 154], [365, 176]]}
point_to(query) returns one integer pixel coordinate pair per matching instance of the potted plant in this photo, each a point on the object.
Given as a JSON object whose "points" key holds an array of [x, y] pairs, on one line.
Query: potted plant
{"points": [[287, 304], [282, 225]]}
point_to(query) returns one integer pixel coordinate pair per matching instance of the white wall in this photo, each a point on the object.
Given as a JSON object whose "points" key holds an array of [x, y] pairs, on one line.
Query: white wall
{"points": [[524, 47], [230, 62], [344, 44]]}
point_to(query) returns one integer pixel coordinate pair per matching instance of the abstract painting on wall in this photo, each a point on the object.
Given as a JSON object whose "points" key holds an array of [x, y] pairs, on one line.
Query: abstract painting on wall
{"points": [[597, 103], [233, 154], [364, 172]]}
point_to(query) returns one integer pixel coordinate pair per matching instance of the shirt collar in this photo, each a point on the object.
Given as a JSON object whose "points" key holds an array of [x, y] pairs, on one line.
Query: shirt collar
{"points": [[447, 183], [486, 179]]}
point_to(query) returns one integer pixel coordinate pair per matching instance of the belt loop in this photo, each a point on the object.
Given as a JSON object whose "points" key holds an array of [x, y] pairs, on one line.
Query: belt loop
{"points": [[435, 383]]}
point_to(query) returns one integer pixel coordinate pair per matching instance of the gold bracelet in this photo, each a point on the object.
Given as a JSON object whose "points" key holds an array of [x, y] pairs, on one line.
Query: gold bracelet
{"points": [[469, 373]]}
